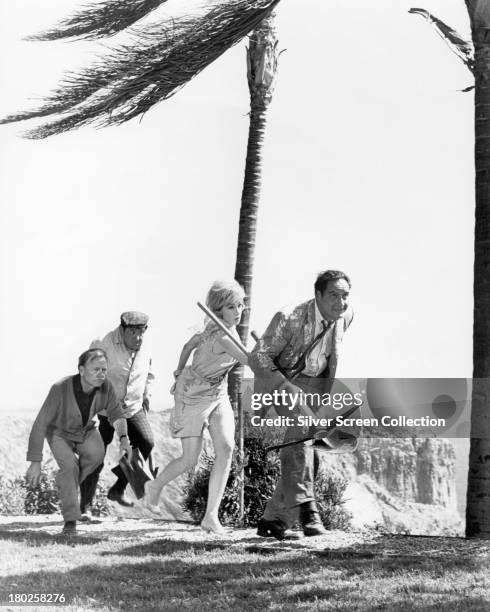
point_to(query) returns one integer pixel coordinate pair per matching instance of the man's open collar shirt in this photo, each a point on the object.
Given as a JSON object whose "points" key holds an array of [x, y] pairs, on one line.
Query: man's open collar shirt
{"points": [[130, 372], [317, 359]]}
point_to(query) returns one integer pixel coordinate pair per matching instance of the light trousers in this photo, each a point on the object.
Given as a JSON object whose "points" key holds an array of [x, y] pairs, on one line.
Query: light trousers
{"points": [[75, 461]]}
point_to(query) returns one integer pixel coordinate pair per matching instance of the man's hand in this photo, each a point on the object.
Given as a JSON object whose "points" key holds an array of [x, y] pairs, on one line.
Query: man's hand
{"points": [[33, 473], [125, 447], [146, 404]]}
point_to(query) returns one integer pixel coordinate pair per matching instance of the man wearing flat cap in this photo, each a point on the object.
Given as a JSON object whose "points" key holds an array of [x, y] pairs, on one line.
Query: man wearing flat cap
{"points": [[130, 372]]}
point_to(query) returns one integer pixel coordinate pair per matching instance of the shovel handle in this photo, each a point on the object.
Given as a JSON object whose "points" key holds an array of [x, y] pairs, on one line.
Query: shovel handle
{"points": [[328, 430], [223, 328]]}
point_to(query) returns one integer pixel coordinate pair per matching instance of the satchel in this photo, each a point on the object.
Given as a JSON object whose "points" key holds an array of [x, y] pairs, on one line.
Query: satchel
{"points": [[136, 471]]}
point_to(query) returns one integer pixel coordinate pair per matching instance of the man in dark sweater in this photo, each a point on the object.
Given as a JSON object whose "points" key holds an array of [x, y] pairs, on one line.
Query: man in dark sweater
{"points": [[67, 421]]}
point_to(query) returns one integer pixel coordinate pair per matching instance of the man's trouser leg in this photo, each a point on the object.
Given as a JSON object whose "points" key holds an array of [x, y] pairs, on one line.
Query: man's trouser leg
{"points": [[74, 469], [295, 485], [140, 436], [89, 486]]}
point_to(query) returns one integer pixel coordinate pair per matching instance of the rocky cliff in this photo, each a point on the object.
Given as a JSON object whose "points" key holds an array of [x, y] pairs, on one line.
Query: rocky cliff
{"points": [[416, 469], [403, 485]]}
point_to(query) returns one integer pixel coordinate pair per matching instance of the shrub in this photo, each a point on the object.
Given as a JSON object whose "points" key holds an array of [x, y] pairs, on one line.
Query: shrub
{"points": [[329, 493], [261, 474], [100, 505], [17, 497], [12, 495], [43, 498]]}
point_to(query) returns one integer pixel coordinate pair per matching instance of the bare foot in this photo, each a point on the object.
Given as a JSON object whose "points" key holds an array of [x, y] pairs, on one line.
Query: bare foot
{"points": [[212, 525], [150, 500]]}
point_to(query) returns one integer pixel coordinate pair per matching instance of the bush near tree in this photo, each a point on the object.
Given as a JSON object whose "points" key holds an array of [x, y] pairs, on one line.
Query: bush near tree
{"points": [[261, 473]]}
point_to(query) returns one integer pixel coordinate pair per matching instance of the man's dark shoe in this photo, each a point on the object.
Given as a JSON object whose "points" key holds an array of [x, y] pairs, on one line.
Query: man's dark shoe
{"points": [[119, 497], [69, 528], [271, 529], [275, 529], [89, 518], [85, 517], [310, 520]]}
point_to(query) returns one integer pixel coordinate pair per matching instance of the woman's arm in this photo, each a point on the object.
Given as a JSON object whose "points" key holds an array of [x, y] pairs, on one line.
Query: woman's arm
{"points": [[232, 350], [189, 346]]}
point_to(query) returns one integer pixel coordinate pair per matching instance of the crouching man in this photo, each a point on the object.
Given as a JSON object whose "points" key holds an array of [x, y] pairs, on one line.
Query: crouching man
{"points": [[303, 343], [67, 421]]}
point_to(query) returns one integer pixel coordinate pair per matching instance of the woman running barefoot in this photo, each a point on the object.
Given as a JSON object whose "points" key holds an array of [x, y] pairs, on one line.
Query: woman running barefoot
{"points": [[201, 400]]}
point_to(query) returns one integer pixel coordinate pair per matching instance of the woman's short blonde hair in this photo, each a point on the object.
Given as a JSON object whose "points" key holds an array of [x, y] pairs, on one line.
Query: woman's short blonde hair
{"points": [[224, 293]]}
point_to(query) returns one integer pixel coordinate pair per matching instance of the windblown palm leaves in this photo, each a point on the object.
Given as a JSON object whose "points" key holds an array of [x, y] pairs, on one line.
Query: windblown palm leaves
{"points": [[458, 45], [98, 20], [131, 78]]}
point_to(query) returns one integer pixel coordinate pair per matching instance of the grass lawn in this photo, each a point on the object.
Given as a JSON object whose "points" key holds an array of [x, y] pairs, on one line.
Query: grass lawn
{"points": [[147, 564]]}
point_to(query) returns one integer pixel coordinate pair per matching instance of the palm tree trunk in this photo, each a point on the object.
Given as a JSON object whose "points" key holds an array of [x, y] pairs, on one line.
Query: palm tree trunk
{"points": [[478, 494], [262, 57], [244, 267], [249, 211]]}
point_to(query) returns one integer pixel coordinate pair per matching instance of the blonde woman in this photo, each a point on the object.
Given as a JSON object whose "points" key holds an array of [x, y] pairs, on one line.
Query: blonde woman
{"points": [[201, 401]]}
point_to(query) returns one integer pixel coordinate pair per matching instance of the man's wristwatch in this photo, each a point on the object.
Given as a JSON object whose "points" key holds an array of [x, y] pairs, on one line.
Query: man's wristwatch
{"points": [[123, 436]]}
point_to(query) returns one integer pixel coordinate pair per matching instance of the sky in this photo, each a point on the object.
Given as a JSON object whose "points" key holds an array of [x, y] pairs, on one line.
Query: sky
{"points": [[368, 168]]}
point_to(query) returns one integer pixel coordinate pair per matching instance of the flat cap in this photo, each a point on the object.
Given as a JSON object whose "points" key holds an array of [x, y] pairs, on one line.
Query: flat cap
{"points": [[133, 318]]}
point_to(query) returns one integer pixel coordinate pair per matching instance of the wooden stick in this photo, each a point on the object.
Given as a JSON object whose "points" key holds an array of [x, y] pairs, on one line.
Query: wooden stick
{"points": [[223, 327]]}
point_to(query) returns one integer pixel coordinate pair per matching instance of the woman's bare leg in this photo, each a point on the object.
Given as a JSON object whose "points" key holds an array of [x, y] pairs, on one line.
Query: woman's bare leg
{"points": [[191, 449], [222, 430]]}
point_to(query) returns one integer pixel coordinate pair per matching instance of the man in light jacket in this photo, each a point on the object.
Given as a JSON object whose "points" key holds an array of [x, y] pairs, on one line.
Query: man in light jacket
{"points": [[130, 372], [299, 353]]}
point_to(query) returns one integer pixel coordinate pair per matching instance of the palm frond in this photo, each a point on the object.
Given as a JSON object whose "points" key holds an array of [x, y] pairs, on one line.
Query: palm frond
{"points": [[458, 45], [132, 78], [99, 20]]}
